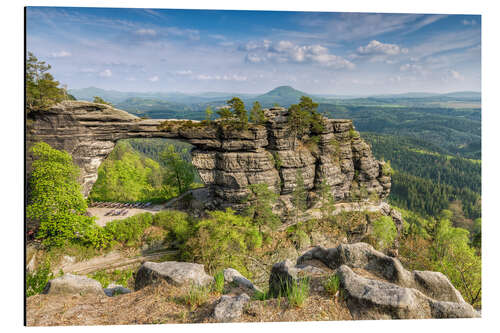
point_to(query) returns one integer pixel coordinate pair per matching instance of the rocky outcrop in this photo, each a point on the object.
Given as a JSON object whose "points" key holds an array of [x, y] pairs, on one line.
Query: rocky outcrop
{"points": [[230, 308], [228, 160], [231, 275], [73, 285], [175, 273], [390, 291], [285, 274]]}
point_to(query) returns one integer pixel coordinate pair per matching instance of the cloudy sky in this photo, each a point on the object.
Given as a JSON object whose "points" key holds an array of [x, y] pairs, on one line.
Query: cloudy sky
{"points": [[255, 51]]}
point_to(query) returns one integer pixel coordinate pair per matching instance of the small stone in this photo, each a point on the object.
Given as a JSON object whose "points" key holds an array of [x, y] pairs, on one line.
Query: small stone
{"points": [[230, 308]]}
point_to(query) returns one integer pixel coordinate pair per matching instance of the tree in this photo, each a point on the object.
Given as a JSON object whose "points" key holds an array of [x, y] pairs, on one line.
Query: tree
{"points": [[41, 88], [208, 114], [298, 122], [299, 197], [260, 210], [257, 114], [384, 231], [179, 172], [310, 108], [99, 100], [327, 201], [238, 110], [55, 201]]}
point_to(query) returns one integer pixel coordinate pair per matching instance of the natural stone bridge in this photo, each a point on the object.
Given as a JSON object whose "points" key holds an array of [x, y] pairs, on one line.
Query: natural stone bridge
{"points": [[227, 160]]}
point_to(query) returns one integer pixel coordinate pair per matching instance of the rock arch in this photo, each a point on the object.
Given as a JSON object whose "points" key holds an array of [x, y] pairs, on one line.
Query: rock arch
{"points": [[227, 160]]}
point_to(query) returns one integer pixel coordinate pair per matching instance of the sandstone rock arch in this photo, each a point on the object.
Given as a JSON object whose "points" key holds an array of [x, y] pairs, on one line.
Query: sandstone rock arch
{"points": [[227, 160]]}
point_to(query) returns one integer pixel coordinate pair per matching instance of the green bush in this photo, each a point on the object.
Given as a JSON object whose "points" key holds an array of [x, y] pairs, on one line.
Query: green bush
{"points": [[120, 277], [37, 280], [384, 231], [332, 284], [176, 223], [222, 240], [130, 230]]}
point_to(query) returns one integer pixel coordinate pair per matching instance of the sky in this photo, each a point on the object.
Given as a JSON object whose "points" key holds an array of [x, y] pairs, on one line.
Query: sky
{"points": [[194, 51]]}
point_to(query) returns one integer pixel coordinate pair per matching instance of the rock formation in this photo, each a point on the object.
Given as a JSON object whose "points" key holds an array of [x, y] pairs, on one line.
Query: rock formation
{"points": [[227, 160]]}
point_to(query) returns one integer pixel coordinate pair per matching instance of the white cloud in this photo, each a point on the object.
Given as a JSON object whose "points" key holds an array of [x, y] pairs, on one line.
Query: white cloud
{"points": [[145, 32], [376, 47], [225, 77], [469, 22], [154, 78], [61, 54], [289, 52], [184, 72], [456, 75], [106, 73]]}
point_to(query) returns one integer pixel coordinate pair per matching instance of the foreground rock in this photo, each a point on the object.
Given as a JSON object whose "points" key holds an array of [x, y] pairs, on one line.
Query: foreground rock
{"points": [[231, 275], [285, 274], [230, 308], [396, 293], [176, 273], [73, 285], [114, 290], [374, 299]]}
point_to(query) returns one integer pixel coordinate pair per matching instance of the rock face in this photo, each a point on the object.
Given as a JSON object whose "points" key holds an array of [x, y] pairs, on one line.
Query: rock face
{"points": [[227, 160], [395, 292], [232, 275], [285, 274], [176, 273], [230, 308], [73, 284]]}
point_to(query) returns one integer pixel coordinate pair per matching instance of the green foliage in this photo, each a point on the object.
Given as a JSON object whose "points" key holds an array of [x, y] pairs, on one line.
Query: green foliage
{"points": [[303, 118], [117, 276], [332, 284], [178, 225], [208, 114], [260, 210], [239, 112], [277, 161], [41, 89], [327, 200], [257, 114], [384, 231], [387, 169], [127, 176], [129, 230], [179, 172], [299, 197], [297, 293], [99, 100], [37, 280], [222, 241], [218, 285]]}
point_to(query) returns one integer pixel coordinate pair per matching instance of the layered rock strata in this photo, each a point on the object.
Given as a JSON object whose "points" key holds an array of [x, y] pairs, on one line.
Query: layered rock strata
{"points": [[228, 160]]}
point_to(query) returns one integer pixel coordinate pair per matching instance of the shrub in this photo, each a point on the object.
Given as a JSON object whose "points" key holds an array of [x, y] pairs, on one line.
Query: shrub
{"points": [[222, 241], [332, 284], [384, 231], [176, 223], [121, 277], [37, 280], [387, 169], [129, 231], [297, 293]]}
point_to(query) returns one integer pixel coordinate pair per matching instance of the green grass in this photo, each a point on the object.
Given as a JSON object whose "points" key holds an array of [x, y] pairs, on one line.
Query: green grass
{"points": [[120, 277], [297, 293], [37, 280], [332, 284], [196, 296], [218, 284]]}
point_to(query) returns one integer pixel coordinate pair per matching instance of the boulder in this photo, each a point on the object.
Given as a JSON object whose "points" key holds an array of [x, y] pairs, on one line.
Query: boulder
{"points": [[175, 273], [375, 299], [232, 275], [285, 274], [115, 289], [72, 285], [230, 308]]}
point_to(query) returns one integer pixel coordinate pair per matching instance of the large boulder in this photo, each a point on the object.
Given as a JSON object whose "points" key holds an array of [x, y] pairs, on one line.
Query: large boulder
{"points": [[230, 308], [175, 273], [231, 275], [285, 274], [72, 285], [375, 299]]}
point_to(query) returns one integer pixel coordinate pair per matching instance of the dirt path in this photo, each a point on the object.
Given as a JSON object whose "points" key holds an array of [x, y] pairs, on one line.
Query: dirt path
{"points": [[100, 213], [112, 260]]}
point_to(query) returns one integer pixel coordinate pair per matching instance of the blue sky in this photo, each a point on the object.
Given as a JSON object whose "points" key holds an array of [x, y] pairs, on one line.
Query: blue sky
{"points": [[255, 51]]}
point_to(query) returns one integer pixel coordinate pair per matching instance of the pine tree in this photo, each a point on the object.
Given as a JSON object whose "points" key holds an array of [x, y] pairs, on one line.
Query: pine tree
{"points": [[257, 114], [261, 210], [239, 112], [299, 197], [41, 88]]}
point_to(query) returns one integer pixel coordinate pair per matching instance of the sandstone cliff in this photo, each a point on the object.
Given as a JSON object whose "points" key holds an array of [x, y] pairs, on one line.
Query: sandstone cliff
{"points": [[227, 160]]}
